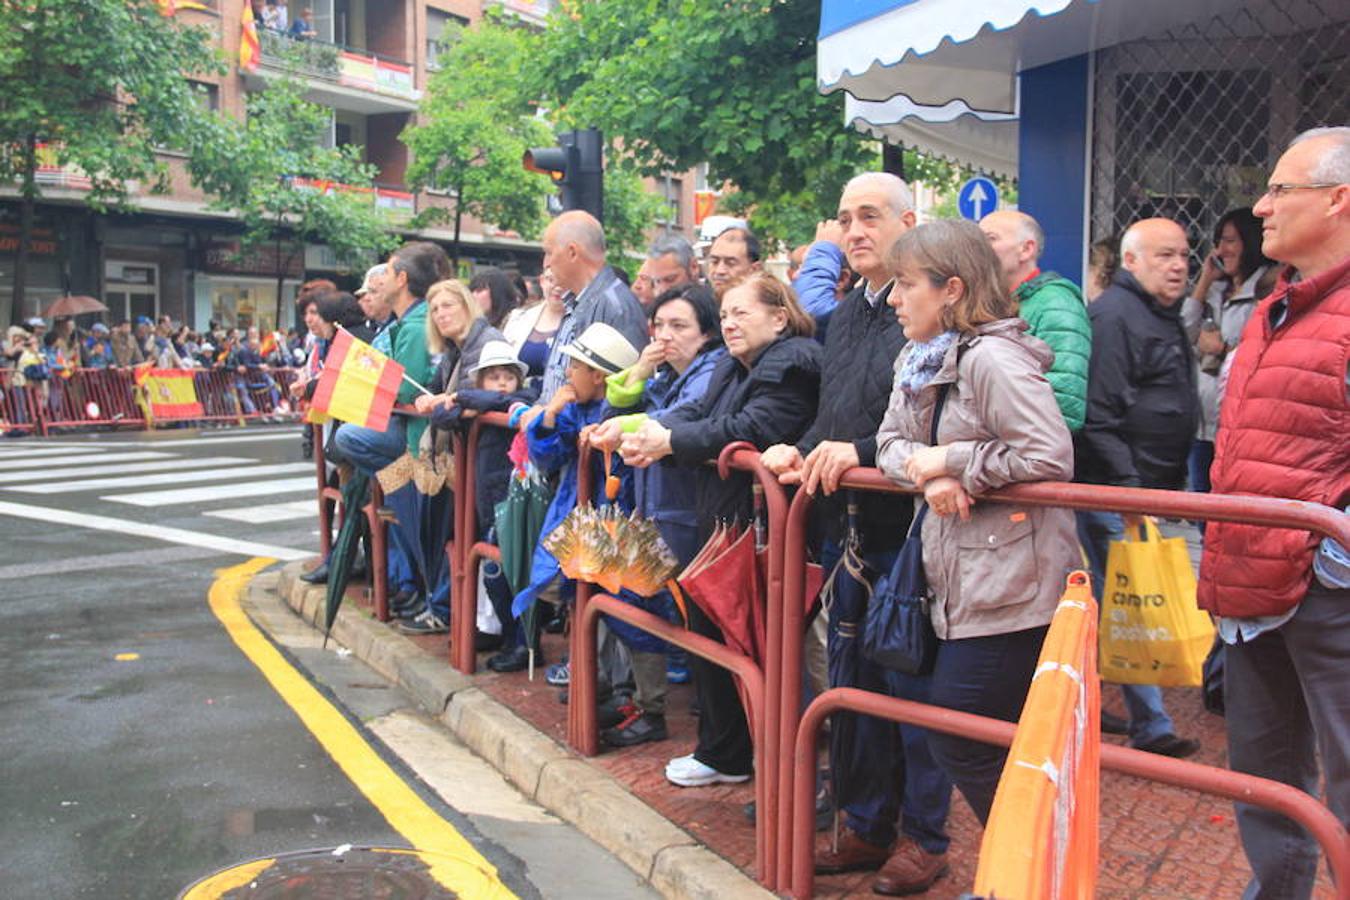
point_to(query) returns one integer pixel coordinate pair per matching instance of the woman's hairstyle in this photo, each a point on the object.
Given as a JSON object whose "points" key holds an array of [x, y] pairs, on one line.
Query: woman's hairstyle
{"points": [[700, 298], [947, 249], [502, 291], [1248, 227], [451, 290], [309, 291], [1105, 257], [339, 308], [771, 292]]}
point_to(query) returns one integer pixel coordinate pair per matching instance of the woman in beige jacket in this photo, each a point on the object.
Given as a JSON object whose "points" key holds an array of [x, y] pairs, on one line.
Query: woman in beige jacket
{"points": [[995, 570]]}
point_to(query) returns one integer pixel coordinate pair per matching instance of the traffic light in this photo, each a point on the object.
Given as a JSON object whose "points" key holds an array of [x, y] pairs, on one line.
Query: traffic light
{"points": [[577, 166]]}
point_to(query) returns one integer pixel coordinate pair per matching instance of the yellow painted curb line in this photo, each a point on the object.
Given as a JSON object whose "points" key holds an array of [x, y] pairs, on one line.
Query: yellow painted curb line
{"points": [[451, 860]]}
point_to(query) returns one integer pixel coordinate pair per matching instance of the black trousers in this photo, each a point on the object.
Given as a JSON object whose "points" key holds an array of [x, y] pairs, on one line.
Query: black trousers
{"points": [[723, 735]]}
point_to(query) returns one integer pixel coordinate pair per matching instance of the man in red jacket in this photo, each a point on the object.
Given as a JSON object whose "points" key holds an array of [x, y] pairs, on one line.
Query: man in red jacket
{"points": [[1282, 595]]}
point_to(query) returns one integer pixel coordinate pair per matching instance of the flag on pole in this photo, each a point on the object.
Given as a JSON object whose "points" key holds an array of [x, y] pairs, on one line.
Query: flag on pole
{"points": [[359, 384], [169, 393], [269, 344], [250, 51]]}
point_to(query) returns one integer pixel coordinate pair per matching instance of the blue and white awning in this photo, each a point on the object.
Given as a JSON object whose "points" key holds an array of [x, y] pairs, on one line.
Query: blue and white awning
{"points": [[984, 141]]}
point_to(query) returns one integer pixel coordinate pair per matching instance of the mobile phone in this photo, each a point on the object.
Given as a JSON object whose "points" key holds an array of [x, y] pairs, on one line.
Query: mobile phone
{"points": [[1216, 262]]}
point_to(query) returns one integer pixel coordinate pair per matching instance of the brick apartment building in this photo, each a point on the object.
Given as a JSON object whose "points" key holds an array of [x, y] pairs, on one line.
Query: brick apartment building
{"points": [[172, 256]]}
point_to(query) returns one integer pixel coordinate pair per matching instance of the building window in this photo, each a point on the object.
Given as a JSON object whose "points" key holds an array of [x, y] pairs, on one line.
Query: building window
{"points": [[672, 190], [208, 95], [442, 31]]}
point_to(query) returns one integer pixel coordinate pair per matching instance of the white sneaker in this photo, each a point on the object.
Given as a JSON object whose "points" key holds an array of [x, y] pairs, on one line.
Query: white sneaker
{"points": [[689, 772]]}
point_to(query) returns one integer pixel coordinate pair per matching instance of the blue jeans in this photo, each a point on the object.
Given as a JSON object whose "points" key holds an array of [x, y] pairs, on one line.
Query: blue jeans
{"points": [[1288, 698], [987, 676], [1148, 718], [908, 784], [370, 450]]}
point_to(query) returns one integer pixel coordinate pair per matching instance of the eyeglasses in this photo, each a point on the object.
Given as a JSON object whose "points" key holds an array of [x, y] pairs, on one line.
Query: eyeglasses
{"points": [[1279, 189]]}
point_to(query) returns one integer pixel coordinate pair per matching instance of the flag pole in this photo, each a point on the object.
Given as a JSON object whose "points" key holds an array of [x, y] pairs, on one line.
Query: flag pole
{"points": [[339, 327]]}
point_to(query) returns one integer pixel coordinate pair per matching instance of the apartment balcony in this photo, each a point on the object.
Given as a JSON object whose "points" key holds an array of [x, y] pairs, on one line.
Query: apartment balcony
{"points": [[338, 77], [398, 206]]}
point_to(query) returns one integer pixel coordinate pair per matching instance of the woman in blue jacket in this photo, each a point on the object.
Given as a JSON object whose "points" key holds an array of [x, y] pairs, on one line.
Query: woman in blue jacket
{"points": [[673, 370]]}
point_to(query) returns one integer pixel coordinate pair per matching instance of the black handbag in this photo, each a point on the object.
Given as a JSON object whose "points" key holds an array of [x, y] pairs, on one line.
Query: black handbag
{"points": [[898, 631]]}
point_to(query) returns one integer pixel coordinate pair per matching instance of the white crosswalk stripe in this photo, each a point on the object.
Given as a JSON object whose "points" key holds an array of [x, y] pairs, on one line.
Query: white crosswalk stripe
{"points": [[60, 475], [24, 452], [84, 458], [236, 471], [217, 492], [272, 512]]}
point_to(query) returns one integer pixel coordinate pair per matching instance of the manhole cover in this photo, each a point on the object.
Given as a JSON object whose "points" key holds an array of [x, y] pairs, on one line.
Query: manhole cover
{"points": [[350, 873]]}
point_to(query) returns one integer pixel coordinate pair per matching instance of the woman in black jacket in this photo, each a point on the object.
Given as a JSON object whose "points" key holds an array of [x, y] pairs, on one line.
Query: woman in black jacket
{"points": [[764, 392]]}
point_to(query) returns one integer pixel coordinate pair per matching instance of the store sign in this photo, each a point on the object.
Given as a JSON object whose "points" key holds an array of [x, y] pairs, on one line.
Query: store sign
{"points": [[223, 257], [42, 241]]}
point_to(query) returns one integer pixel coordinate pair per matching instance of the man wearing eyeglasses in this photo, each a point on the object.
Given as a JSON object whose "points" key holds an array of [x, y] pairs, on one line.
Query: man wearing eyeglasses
{"points": [[1282, 596]]}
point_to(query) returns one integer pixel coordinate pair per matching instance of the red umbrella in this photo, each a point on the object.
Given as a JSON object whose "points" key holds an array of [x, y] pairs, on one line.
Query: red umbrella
{"points": [[728, 588], [73, 306]]}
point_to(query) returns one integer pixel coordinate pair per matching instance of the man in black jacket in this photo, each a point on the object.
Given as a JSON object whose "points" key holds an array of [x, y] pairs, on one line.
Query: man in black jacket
{"points": [[1142, 409], [856, 376]]}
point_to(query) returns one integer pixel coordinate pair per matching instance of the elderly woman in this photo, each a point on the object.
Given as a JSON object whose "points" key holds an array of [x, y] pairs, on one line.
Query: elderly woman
{"points": [[674, 370], [457, 333], [996, 571], [763, 392]]}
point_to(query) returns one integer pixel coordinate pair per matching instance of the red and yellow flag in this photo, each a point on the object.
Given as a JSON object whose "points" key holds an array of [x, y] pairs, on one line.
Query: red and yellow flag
{"points": [[250, 51], [359, 384], [269, 344], [169, 393]]}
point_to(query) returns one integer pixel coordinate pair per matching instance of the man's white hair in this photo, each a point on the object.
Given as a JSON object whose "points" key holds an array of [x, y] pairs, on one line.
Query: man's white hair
{"points": [[898, 195], [1333, 165]]}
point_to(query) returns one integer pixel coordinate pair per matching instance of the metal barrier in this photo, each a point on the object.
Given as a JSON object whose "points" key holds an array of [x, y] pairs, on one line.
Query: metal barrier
{"points": [[20, 407], [110, 398], [464, 592], [760, 686], [796, 858], [330, 499]]}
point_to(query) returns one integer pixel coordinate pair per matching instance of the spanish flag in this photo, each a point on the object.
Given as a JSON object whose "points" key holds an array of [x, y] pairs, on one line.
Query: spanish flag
{"points": [[169, 393], [250, 51], [359, 384]]}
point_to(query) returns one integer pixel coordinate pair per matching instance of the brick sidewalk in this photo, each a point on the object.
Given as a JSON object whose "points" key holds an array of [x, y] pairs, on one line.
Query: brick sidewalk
{"points": [[1156, 841]]}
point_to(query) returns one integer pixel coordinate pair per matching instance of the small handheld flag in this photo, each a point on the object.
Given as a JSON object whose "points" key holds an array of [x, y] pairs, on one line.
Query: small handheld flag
{"points": [[359, 384]]}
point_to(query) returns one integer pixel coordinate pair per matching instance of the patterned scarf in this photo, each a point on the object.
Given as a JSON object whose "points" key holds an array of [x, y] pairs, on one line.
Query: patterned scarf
{"points": [[923, 362]]}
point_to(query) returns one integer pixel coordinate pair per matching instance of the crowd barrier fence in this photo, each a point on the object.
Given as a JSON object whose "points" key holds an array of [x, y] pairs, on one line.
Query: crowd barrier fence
{"points": [[785, 736], [108, 398]]}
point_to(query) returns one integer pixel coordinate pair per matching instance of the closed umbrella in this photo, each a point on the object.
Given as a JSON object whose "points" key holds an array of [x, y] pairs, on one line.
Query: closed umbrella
{"points": [[345, 546], [859, 746], [519, 519]]}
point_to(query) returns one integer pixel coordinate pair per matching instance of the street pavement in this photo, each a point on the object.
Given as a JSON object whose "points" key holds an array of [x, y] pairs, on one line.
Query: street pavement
{"points": [[140, 749]]}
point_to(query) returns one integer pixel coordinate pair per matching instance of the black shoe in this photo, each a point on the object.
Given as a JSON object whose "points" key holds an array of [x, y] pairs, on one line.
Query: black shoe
{"points": [[603, 691], [615, 711], [316, 575], [427, 623], [406, 604], [517, 659], [639, 728], [486, 643], [1113, 724], [824, 812], [558, 623], [1170, 745]]}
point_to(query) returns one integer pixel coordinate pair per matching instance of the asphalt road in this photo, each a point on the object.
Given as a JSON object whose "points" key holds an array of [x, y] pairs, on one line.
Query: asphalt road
{"points": [[139, 749]]}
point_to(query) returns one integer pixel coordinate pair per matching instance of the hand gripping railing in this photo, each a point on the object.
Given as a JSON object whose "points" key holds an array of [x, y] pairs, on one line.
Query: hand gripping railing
{"points": [[468, 552], [795, 838], [758, 685]]}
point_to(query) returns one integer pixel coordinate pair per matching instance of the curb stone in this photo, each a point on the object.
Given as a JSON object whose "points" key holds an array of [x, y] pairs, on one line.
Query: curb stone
{"points": [[599, 806]]}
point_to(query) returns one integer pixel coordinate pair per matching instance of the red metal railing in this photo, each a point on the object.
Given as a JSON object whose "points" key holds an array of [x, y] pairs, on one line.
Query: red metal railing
{"points": [[20, 407], [794, 837], [760, 686]]}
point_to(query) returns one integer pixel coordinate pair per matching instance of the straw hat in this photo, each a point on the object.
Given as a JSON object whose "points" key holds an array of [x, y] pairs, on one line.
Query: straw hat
{"points": [[602, 347], [499, 353]]}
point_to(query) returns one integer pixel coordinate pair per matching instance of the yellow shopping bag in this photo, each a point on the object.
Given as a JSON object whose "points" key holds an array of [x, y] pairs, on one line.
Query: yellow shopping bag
{"points": [[1152, 632]]}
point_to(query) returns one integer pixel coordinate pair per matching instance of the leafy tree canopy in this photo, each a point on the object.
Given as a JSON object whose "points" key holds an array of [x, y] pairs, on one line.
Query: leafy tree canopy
{"points": [[99, 85], [477, 121]]}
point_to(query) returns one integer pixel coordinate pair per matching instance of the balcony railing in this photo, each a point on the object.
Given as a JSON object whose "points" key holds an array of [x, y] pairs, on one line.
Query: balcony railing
{"points": [[397, 206], [346, 66], [51, 173]]}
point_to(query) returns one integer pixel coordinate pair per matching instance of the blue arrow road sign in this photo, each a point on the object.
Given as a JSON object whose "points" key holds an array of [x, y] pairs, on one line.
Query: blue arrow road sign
{"points": [[978, 198]]}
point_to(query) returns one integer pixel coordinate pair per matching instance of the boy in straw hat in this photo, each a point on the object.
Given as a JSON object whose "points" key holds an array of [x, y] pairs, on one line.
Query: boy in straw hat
{"points": [[599, 352]]}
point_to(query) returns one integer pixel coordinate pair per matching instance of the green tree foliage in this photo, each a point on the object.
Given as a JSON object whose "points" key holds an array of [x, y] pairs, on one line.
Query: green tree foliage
{"points": [[477, 120], [732, 84], [274, 172], [630, 212], [98, 85]]}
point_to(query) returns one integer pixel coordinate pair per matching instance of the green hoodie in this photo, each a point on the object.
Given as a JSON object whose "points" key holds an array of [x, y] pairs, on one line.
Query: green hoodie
{"points": [[1054, 309]]}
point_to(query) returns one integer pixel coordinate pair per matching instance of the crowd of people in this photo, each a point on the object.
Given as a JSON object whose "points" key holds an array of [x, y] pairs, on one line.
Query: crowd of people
{"points": [[942, 355], [46, 360]]}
